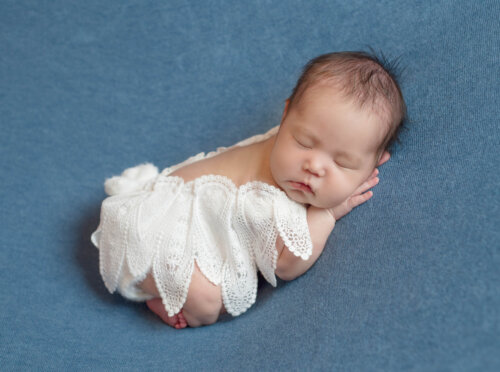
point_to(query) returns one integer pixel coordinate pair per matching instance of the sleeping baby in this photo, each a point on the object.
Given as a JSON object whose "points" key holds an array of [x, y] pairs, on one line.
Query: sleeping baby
{"points": [[191, 239]]}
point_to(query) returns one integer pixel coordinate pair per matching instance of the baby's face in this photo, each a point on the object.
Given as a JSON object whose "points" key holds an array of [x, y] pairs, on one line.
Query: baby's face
{"points": [[325, 149]]}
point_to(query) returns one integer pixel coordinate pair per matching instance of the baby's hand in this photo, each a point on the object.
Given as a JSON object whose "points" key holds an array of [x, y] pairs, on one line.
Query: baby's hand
{"points": [[360, 195]]}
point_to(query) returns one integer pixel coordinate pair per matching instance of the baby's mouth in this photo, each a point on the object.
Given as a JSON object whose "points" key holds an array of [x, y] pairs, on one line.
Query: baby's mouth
{"points": [[301, 186]]}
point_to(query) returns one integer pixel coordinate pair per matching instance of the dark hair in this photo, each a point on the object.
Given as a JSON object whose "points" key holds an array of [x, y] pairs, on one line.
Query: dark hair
{"points": [[363, 77]]}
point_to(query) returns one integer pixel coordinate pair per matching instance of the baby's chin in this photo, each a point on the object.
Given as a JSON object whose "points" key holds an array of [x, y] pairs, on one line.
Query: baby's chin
{"points": [[322, 205], [307, 202]]}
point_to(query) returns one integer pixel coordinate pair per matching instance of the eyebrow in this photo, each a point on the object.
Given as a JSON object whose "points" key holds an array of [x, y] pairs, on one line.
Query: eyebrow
{"points": [[343, 154]]}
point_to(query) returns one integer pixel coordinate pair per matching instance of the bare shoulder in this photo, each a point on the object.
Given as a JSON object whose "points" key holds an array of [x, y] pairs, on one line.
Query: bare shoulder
{"points": [[223, 164], [240, 164]]}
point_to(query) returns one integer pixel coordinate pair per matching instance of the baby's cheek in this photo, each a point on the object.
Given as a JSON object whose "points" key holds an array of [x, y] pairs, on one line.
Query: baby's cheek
{"points": [[339, 195], [335, 201], [282, 166]]}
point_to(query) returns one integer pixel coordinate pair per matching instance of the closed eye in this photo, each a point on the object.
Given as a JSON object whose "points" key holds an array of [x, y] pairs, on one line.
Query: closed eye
{"points": [[344, 165], [301, 144]]}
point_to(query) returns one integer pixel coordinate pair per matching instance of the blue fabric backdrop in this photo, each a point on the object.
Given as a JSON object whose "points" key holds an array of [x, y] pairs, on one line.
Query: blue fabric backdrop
{"points": [[408, 281]]}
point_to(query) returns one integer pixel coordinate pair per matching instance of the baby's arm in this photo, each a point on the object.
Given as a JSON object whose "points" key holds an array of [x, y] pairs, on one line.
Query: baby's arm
{"points": [[321, 223], [289, 266]]}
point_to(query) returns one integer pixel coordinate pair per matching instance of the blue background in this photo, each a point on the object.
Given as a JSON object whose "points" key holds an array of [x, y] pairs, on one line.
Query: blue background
{"points": [[408, 281]]}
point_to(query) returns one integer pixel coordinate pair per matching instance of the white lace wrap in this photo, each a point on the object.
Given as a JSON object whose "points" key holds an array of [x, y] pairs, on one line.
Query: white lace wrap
{"points": [[159, 223]]}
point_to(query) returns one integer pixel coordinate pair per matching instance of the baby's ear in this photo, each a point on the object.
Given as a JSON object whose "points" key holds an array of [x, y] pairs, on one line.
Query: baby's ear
{"points": [[383, 158]]}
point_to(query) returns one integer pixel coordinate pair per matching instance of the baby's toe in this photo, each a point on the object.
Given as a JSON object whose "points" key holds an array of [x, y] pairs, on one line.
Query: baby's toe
{"points": [[181, 320]]}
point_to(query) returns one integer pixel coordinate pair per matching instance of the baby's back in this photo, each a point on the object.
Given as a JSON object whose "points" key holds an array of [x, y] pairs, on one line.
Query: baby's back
{"points": [[239, 164]]}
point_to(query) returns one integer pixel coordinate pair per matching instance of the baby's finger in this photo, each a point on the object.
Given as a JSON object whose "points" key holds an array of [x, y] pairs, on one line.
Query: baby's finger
{"points": [[373, 175], [360, 199], [365, 186], [384, 158]]}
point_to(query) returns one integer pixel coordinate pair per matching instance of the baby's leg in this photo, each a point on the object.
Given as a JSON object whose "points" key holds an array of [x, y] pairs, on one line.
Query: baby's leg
{"points": [[202, 307], [204, 301]]}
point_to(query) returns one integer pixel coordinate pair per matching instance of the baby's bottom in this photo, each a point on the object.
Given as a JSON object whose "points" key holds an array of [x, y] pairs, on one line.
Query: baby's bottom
{"points": [[202, 307]]}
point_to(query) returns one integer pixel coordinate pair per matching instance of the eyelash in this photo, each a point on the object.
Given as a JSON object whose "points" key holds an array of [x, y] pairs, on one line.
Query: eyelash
{"points": [[342, 166], [301, 144]]}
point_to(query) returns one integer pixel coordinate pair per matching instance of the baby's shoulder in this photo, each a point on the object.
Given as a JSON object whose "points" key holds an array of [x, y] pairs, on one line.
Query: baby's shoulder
{"points": [[220, 164], [238, 162], [233, 163]]}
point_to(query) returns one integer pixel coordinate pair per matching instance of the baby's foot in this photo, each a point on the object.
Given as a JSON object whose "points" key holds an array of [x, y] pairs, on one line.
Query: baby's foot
{"points": [[177, 321]]}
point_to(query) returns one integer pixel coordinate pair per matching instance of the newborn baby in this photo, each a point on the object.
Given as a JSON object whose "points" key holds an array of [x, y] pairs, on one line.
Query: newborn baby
{"points": [[189, 241]]}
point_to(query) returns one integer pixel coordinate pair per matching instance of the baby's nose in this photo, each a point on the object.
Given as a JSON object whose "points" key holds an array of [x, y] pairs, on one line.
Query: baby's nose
{"points": [[315, 168], [319, 173]]}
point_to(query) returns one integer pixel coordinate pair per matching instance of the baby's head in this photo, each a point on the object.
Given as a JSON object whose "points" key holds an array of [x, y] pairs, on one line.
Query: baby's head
{"points": [[344, 112]]}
